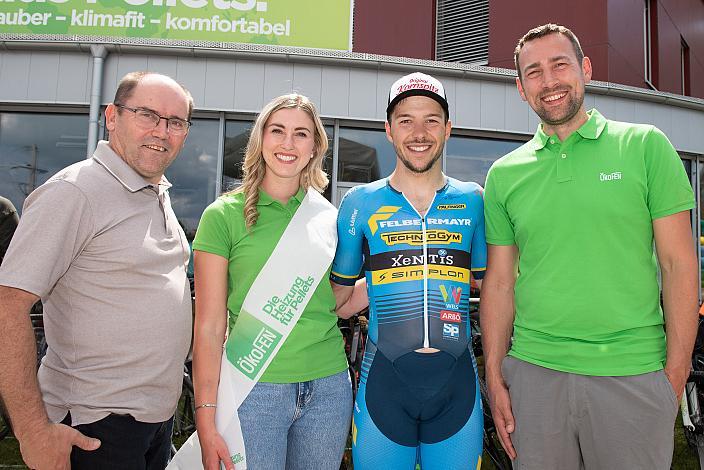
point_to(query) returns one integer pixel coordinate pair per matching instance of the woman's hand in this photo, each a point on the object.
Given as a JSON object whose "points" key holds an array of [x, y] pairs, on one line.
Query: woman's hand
{"points": [[214, 450]]}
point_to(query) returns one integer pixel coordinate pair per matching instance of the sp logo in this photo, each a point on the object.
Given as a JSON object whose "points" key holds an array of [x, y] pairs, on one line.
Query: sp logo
{"points": [[450, 331]]}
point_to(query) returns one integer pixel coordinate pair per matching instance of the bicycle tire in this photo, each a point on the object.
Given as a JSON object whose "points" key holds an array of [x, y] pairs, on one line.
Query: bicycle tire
{"points": [[184, 417], [5, 428]]}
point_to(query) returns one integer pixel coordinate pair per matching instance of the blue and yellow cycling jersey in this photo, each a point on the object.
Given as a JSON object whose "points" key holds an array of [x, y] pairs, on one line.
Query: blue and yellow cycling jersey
{"points": [[415, 406], [417, 267]]}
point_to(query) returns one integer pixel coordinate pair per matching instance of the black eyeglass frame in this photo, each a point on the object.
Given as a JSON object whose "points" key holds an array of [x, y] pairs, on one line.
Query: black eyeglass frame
{"points": [[167, 119]]}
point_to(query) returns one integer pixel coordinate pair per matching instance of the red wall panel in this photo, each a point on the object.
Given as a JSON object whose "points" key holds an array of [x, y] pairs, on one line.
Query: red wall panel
{"points": [[511, 19], [626, 42], [669, 50], [404, 28], [611, 33], [696, 85], [687, 16]]}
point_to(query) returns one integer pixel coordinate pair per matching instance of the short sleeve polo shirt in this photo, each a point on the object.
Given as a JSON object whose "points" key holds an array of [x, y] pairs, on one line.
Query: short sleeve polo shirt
{"points": [[314, 349], [580, 213], [104, 250]]}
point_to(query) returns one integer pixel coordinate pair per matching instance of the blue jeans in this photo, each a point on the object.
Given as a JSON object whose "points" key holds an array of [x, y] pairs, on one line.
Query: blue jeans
{"points": [[297, 426]]}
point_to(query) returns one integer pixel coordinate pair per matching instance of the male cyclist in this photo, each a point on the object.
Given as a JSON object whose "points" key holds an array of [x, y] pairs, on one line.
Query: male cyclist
{"points": [[417, 234]]}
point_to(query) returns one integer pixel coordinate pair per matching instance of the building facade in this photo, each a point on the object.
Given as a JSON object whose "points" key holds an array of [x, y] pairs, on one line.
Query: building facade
{"points": [[653, 44], [54, 90]]}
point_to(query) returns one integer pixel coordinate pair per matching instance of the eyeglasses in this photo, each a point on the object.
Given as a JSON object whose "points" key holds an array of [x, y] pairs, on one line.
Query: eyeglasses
{"points": [[147, 119]]}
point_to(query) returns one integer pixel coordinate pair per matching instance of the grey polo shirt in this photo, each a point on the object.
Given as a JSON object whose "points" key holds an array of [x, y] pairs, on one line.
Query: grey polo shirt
{"points": [[103, 249]]}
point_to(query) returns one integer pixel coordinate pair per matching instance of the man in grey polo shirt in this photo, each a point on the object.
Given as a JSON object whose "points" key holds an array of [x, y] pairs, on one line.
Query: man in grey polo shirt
{"points": [[100, 245]]}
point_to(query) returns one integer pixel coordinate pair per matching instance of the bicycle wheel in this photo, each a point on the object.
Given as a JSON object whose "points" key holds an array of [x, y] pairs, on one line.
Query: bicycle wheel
{"points": [[184, 418], [492, 444], [5, 426]]}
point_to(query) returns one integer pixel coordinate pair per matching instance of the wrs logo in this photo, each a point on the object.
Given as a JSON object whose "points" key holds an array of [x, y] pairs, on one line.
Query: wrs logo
{"points": [[453, 296], [383, 213]]}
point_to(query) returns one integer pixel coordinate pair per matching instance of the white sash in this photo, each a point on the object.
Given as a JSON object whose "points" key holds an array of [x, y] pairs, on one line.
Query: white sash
{"points": [[270, 310]]}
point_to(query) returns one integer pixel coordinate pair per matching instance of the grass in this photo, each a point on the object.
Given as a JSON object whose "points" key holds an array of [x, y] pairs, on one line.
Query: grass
{"points": [[10, 452], [683, 457]]}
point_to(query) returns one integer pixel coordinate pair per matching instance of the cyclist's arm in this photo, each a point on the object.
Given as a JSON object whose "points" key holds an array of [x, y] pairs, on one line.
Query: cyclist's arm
{"points": [[350, 300], [678, 264], [208, 337]]}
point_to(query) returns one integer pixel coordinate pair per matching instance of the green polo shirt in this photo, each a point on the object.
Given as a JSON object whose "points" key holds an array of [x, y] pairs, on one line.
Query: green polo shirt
{"points": [[580, 213], [314, 349]]}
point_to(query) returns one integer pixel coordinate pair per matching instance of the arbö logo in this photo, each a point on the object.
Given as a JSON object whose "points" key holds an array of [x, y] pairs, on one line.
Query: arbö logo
{"points": [[452, 317]]}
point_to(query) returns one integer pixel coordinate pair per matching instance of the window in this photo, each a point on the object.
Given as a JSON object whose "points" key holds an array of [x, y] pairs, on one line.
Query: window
{"points": [[462, 31], [469, 158], [327, 163], [684, 68], [700, 232], [650, 42], [193, 174], [364, 155], [236, 136], [33, 147]]}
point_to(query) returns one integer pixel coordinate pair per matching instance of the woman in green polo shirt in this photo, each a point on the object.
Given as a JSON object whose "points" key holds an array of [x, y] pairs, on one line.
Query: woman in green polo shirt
{"points": [[297, 415]]}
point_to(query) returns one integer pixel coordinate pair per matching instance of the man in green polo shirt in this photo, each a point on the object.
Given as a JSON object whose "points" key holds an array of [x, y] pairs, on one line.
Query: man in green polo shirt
{"points": [[593, 374]]}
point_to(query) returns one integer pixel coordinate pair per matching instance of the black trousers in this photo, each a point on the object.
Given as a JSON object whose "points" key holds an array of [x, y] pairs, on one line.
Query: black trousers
{"points": [[125, 443]]}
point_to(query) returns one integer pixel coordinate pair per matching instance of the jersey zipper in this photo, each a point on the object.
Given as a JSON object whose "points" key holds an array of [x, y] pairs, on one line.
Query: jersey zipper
{"points": [[426, 319]]}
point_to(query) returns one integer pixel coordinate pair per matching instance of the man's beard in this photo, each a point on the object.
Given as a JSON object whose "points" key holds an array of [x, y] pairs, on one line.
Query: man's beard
{"points": [[573, 106], [423, 169]]}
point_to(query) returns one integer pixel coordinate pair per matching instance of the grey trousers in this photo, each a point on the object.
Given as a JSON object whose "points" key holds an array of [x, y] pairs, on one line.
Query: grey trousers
{"points": [[568, 421]]}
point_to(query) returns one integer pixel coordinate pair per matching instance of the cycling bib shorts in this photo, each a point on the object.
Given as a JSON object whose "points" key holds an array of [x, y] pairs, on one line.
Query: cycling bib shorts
{"points": [[415, 407]]}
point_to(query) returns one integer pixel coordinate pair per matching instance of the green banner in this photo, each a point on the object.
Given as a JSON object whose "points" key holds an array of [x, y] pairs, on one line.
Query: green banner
{"points": [[325, 24], [251, 344]]}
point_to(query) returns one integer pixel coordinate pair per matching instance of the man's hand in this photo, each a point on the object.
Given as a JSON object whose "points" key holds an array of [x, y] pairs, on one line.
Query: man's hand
{"points": [[678, 379], [50, 447], [500, 403]]}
